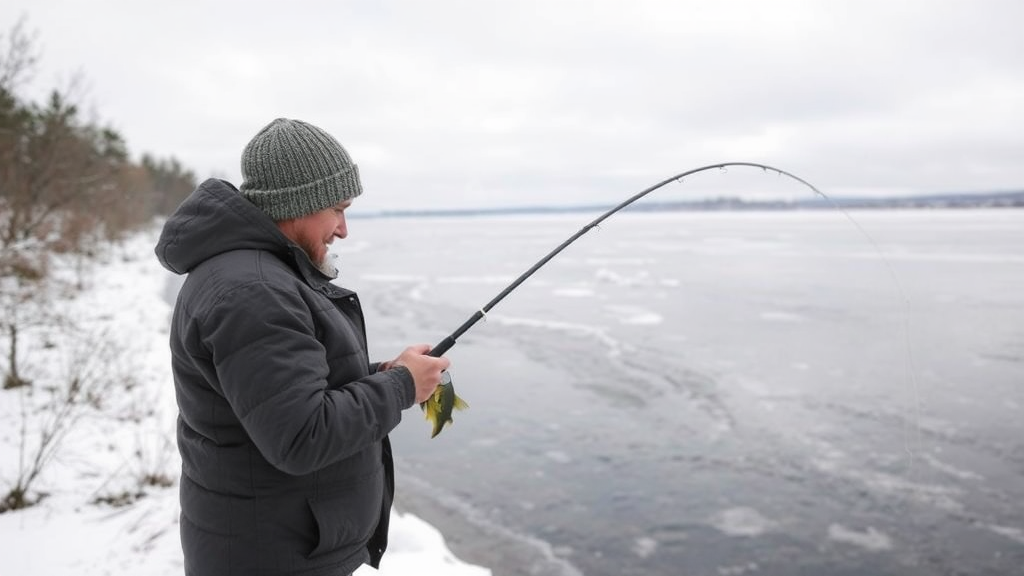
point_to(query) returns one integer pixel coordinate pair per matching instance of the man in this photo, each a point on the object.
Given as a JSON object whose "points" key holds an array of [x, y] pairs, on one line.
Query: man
{"points": [[283, 421]]}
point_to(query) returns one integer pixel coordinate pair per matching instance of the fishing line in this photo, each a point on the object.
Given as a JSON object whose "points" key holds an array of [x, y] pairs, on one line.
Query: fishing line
{"points": [[449, 341], [910, 367]]}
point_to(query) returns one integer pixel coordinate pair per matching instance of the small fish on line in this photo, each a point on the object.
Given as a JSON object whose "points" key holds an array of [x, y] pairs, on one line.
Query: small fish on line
{"points": [[438, 408]]}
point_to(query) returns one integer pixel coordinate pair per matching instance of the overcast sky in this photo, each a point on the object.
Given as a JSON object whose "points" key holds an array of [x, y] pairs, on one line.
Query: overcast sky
{"points": [[478, 103]]}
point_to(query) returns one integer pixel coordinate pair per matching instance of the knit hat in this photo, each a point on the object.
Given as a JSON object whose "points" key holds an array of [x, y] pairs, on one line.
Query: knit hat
{"points": [[292, 169]]}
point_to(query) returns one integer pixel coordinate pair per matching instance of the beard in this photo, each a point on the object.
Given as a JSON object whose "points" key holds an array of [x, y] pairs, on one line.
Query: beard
{"points": [[320, 257], [326, 265]]}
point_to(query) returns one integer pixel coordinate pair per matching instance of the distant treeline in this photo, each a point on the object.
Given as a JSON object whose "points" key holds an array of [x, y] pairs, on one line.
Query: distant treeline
{"points": [[67, 188], [66, 180], [961, 200]]}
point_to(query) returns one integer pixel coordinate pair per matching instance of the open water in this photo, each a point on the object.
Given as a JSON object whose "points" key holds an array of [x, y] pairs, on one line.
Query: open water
{"points": [[715, 393]]}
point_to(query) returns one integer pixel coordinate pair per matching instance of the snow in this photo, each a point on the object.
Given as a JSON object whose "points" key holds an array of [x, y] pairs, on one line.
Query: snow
{"points": [[871, 539], [120, 446], [742, 522]]}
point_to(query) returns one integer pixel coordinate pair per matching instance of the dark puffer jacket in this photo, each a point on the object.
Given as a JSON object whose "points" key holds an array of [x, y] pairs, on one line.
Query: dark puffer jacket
{"points": [[286, 465]]}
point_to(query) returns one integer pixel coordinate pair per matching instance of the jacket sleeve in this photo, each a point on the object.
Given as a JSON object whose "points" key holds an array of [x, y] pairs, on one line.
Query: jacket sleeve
{"points": [[273, 372]]}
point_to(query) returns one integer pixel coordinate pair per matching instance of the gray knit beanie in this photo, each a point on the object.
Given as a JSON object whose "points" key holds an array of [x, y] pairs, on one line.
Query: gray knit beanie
{"points": [[292, 169]]}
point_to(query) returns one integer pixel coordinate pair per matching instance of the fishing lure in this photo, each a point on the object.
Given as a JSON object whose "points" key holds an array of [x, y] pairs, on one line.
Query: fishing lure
{"points": [[439, 406]]}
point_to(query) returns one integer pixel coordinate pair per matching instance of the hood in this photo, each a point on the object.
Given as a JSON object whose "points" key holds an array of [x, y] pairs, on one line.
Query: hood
{"points": [[215, 219]]}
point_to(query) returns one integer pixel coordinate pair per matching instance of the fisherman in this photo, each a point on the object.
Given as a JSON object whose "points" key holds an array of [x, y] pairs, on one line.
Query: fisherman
{"points": [[283, 420]]}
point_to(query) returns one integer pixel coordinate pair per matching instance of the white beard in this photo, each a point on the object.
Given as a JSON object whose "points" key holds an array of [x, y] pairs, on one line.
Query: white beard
{"points": [[327, 265]]}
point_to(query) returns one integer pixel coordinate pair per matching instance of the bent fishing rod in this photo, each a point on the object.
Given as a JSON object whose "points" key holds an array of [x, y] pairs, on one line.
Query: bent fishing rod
{"points": [[449, 341], [438, 407]]}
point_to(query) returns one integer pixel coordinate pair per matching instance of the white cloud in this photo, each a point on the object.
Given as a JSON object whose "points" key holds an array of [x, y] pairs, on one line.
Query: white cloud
{"points": [[459, 103]]}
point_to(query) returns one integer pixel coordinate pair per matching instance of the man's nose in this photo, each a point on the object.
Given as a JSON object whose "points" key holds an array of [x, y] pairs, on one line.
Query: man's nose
{"points": [[342, 230]]}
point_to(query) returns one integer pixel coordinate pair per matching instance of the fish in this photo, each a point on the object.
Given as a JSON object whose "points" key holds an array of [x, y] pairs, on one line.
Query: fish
{"points": [[438, 407]]}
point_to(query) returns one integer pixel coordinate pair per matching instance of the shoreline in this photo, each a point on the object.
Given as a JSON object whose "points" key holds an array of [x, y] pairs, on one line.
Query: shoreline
{"points": [[474, 539]]}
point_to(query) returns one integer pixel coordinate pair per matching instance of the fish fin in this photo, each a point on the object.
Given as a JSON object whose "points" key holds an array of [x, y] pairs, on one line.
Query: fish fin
{"points": [[431, 409]]}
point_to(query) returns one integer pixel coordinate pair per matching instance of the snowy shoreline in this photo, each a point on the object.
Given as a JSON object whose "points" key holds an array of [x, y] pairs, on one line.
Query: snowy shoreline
{"points": [[128, 437]]}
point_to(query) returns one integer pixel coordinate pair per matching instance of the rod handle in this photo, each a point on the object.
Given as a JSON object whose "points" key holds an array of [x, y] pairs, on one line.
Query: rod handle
{"points": [[442, 347]]}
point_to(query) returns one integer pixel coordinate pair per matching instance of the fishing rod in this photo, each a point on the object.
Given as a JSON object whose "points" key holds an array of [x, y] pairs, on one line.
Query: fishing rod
{"points": [[438, 407], [449, 340]]}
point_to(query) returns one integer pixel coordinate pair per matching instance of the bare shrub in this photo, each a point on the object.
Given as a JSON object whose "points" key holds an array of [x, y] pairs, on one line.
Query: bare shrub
{"points": [[89, 379]]}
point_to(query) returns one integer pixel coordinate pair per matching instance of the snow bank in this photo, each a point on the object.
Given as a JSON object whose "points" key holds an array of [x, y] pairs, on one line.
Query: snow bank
{"points": [[122, 450]]}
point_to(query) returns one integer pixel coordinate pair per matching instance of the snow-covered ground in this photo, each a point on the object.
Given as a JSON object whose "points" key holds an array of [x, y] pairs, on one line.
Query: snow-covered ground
{"points": [[111, 484]]}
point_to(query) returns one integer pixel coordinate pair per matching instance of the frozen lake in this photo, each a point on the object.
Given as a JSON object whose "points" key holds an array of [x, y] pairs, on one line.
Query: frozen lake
{"points": [[715, 393]]}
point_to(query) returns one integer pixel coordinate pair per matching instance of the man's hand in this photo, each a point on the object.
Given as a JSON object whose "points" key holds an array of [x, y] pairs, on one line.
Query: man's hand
{"points": [[426, 370]]}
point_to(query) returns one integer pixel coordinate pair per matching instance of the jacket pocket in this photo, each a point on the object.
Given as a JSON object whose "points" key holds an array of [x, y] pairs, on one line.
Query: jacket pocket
{"points": [[346, 519]]}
